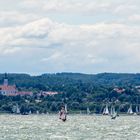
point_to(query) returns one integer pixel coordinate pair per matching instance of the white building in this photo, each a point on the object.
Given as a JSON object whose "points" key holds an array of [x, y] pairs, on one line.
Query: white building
{"points": [[6, 89]]}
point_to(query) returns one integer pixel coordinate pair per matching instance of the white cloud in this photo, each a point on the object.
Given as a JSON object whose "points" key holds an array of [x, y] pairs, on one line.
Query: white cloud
{"points": [[45, 32], [59, 46], [126, 9], [7, 51], [14, 18], [84, 7], [54, 57], [134, 18], [68, 6]]}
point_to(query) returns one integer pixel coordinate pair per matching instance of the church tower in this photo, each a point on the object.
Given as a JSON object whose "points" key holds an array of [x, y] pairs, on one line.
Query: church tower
{"points": [[5, 80]]}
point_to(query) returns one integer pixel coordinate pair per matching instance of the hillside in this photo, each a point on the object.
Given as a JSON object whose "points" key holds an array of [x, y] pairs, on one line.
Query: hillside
{"points": [[79, 91]]}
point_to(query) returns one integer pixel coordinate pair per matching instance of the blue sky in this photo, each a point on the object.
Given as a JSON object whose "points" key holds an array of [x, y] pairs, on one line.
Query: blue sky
{"points": [[39, 36]]}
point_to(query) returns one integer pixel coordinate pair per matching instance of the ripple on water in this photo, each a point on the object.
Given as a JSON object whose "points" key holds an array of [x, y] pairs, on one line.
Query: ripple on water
{"points": [[78, 127]]}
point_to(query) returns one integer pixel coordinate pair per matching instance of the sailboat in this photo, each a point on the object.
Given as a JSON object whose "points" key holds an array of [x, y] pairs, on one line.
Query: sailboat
{"points": [[66, 109], [88, 111], [130, 111], [37, 112], [106, 111], [113, 113], [17, 109], [137, 110], [30, 112], [63, 113]]}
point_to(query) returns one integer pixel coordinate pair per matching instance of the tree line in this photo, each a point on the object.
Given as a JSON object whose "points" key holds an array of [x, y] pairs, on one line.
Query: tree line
{"points": [[78, 91]]}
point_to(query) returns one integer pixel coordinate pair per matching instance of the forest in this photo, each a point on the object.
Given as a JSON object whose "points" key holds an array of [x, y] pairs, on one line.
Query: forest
{"points": [[78, 91]]}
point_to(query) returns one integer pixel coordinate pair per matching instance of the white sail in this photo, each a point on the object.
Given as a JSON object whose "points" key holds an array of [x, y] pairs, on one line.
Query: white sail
{"points": [[88, 111], [130, 111], [66, 108], [111, 111], [106, 110], [17, 110], [114, 115], [37, 112], [137, 110], [30, 112], [114, 112]]}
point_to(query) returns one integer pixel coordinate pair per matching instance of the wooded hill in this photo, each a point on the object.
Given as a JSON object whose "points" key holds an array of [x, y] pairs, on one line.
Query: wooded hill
{"points": [[79, 91]]}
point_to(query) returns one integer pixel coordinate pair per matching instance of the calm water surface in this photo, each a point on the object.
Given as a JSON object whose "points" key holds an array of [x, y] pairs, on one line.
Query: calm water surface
{"points": [[78, 127]]}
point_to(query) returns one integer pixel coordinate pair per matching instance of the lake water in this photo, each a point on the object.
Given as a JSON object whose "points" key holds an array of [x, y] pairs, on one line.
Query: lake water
{"points": [[78, 127]]}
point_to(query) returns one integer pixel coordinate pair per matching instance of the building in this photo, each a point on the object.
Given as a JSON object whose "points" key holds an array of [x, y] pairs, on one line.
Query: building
{"points": [[48, 93], [23, 93], [6, 89], [11, 90], [119, 90], [45, 93]]}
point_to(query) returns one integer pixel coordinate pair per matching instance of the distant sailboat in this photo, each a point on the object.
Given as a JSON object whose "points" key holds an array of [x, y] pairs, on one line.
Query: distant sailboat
{"points": [[88, 111], [16, 109], [66, 108], [30, 112], [106, 110], [112, 110], [130, 111], [137, 110], [113, 113], [63, 113]]}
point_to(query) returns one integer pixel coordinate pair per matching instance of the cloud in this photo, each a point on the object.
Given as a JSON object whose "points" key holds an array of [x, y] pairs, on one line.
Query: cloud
{"points": [[14, 18], [82, 7], [134, 18], [69, 6], [54, 56], [108, 44], [6, 51], [126, 9], [46, 33]]}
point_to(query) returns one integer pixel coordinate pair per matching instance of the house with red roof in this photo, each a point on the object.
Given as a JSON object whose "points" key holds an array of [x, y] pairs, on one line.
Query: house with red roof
{"points": [[23, 93], [7, 89], [11, 90]]}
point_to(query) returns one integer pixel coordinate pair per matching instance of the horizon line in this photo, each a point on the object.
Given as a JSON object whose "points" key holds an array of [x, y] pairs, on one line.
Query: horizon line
{"points": [[39, 74]]}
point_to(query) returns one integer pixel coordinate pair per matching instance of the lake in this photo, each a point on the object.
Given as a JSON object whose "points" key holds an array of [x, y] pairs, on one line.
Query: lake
{"points": [[77, 127]]}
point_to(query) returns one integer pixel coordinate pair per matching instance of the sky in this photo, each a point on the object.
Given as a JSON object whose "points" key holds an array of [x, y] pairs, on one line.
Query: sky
{"points": [[84, 36]]}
